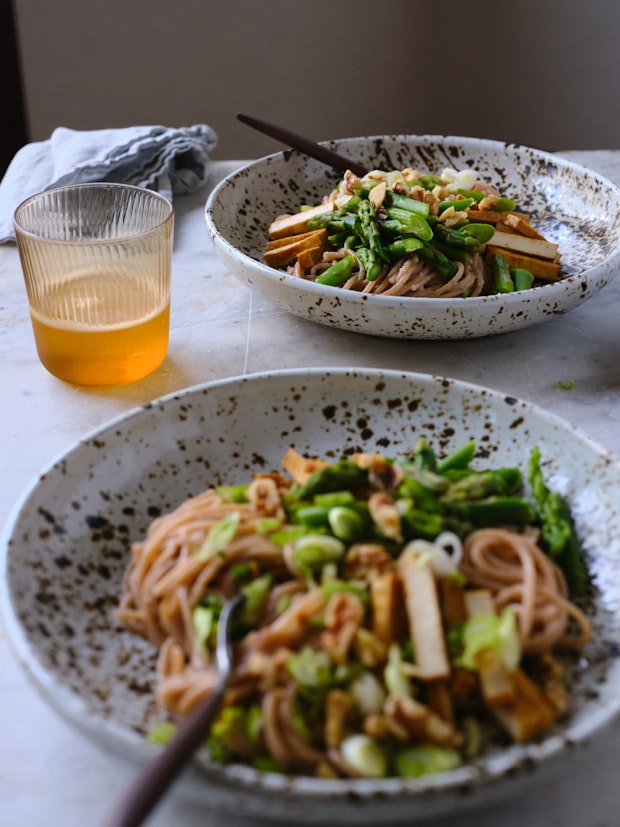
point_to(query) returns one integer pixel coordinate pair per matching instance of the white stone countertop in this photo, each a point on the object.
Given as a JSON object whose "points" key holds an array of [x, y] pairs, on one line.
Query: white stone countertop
{"points": [[50, 775]]}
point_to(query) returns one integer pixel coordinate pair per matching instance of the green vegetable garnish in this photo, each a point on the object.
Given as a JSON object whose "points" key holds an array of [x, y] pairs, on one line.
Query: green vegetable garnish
{"points": [[255, 593], [422, 759], [558, 533], [219, 536], [205, 626], [365, 756], [163, 732], [496, 633], [310, 668], [313, 551]]}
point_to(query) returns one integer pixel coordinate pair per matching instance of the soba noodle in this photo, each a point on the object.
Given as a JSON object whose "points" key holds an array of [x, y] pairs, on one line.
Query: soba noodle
{"points": [[520, 575], [324, 659], [465, 239]]}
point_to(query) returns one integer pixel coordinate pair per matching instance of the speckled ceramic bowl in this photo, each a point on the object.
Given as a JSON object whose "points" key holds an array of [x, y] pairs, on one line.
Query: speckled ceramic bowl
{"points": [[67, 544], [572, 206]]}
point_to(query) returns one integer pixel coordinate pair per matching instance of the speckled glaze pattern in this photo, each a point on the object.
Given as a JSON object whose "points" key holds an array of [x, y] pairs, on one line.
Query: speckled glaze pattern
{"points": [[574, 207], [67, 544]]}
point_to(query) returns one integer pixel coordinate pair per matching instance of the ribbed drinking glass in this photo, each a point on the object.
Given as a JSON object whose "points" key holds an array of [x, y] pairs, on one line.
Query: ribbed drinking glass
{"points": [[96, 260]]}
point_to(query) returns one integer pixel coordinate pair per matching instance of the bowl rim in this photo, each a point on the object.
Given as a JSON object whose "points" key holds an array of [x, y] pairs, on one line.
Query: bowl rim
{"points": [[488, 771], [547, 291]]}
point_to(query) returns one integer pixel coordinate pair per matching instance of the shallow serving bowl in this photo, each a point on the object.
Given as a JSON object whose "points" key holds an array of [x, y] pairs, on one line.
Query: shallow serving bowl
{"points": [[68, 540], [572, 206]]}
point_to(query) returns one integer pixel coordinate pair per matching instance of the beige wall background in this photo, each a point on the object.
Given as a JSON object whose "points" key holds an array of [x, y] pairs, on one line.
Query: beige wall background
{"points": [[540, 72]]}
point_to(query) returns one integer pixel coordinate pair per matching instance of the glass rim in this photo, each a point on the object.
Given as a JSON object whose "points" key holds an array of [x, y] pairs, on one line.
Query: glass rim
{"points": [[94, 185]]}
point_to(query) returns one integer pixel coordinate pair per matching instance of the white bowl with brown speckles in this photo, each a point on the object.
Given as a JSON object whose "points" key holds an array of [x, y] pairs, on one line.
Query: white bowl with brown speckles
{"points": [[573, 206], [67, 543]]}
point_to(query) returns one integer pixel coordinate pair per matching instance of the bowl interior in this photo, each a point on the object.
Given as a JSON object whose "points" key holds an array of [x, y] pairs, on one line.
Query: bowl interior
{"points": [[572, 206], [67, 547]]}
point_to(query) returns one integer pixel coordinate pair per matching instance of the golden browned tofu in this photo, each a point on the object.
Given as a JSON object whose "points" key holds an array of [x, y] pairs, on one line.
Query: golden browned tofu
{"points": [[518, 223], [491, 216], [280, 255], [424, 615], [538, 267], [298, 223], [524, 244]]}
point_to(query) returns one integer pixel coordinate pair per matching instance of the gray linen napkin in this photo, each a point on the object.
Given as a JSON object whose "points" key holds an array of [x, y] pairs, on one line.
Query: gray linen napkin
{"points": [[171, 161]]}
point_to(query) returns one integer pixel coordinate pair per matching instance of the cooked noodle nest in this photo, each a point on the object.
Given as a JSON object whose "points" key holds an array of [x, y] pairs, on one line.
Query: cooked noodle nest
{"points": [[167, 578]]}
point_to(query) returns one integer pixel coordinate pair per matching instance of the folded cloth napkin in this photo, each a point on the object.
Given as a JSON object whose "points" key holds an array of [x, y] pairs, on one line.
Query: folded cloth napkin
{"points": [[171, 161]]}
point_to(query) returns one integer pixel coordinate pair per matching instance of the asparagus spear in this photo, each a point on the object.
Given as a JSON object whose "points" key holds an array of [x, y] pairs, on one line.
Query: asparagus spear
{"points": [[557, 529], [483, 232], [424, 455], [403, 202], [458, 459], [494, 510], [340, 476], [479, 484], [439, 260], [459, 204], [409, 222], [457, 238], [503, 204], [419, 523], [370, 230], [522, 279], [501, 274], [338, 273], [402, 247], [369, 262]]}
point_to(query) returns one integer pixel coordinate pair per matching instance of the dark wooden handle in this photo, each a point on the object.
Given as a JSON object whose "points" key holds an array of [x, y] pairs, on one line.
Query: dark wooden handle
{"points": [[305, 145], [151, 784]]}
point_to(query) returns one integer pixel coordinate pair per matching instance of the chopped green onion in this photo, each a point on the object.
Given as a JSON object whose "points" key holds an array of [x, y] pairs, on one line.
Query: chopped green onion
{"points": [[497, 633], [283, 603], [313, 551], [241, 571], [333, 498], [232, 493], [287, 535], [255, 594], [229, 725], [368, 693], [364, 755], [219, 536], [397, 683], [311, 668], [333, 586], [254, 721], [267, 525], [204, 622], [163, 732], [345, 523], [422, 759]]}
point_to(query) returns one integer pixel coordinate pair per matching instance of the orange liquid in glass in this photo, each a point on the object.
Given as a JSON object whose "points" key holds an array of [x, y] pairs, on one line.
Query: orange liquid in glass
{"points": [[119, 335]]}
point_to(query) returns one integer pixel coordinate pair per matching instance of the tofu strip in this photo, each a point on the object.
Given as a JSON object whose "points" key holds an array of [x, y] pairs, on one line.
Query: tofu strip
{"points": [[424, 615]]}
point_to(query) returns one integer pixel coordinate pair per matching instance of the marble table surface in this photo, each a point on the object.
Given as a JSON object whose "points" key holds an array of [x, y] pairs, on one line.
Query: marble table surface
{"points": [[49, 773]]}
